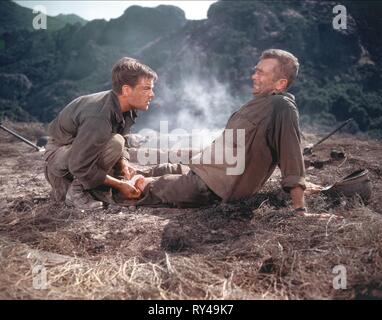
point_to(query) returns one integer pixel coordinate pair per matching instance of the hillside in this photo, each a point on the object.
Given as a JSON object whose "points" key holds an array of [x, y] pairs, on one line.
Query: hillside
{"points": [[15, 17], [204, 66], [70, 19], [255, 249]]}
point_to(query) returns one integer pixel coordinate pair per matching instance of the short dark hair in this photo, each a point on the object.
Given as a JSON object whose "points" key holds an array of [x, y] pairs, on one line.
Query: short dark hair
{"points": [[288, 63], [129, 71]]}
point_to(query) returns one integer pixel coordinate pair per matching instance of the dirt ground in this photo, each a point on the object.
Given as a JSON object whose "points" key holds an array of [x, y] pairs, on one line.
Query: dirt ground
{"points": [[252, 249]]}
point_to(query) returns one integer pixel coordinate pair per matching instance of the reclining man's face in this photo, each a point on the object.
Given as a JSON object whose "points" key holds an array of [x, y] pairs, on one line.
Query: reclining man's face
{"points": [[263, 78], [140, 96]]}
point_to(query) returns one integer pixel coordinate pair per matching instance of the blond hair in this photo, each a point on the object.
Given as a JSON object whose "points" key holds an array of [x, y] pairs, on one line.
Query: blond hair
{"points": [[288, 64]]}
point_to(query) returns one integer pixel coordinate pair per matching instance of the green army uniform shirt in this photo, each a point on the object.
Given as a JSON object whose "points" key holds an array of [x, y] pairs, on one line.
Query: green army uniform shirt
{"points": [[87, 124], [272, 138]]}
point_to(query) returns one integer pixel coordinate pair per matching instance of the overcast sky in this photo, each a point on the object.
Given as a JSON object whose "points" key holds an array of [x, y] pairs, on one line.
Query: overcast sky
{"points": [[90, 10]]}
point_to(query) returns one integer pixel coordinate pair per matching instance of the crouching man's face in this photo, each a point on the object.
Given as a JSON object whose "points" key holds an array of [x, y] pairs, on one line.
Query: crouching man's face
{"points": [[140, 96], [266, 78]]}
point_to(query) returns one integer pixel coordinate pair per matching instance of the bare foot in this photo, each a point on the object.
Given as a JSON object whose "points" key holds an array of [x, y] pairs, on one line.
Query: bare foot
{"points": [[141, 182]]}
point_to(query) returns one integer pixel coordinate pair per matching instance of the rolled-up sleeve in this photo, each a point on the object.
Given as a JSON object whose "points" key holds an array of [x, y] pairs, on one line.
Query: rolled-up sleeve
{"points": [[92, 136], [288, 148]]}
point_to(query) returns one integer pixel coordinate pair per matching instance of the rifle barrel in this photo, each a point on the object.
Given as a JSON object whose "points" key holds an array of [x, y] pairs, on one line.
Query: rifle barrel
{"points": [[21, 138], [309, 150], [331, 133]]}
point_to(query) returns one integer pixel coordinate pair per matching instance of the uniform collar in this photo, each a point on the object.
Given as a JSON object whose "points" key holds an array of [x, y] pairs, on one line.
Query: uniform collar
{"points": [[286, 94], [117, 108], [120, 117], [132, 114]]}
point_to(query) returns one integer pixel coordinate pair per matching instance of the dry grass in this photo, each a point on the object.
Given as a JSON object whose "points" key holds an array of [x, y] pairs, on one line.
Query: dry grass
{"points": [[269, 254], [114, 278], [253, 249]]}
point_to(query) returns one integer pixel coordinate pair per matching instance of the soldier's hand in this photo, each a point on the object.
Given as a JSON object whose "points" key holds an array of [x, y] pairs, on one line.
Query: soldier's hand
{"points": [[312, 188], [127, 171], [129, 192]]}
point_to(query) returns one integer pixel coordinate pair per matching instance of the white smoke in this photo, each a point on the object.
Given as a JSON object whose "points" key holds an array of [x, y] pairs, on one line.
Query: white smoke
{"points": [[196, 103], [209, 104]]}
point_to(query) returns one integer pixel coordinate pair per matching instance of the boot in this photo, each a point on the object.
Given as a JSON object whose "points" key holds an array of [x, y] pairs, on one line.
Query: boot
{"points": [[81, 199]]}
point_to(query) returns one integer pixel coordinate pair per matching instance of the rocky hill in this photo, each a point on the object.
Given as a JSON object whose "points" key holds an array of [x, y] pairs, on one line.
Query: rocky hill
{"points": [[14, 17], [204, 66]]}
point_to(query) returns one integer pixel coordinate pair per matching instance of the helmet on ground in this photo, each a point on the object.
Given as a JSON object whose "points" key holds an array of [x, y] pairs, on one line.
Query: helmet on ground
{"points": [[357, 182]]}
